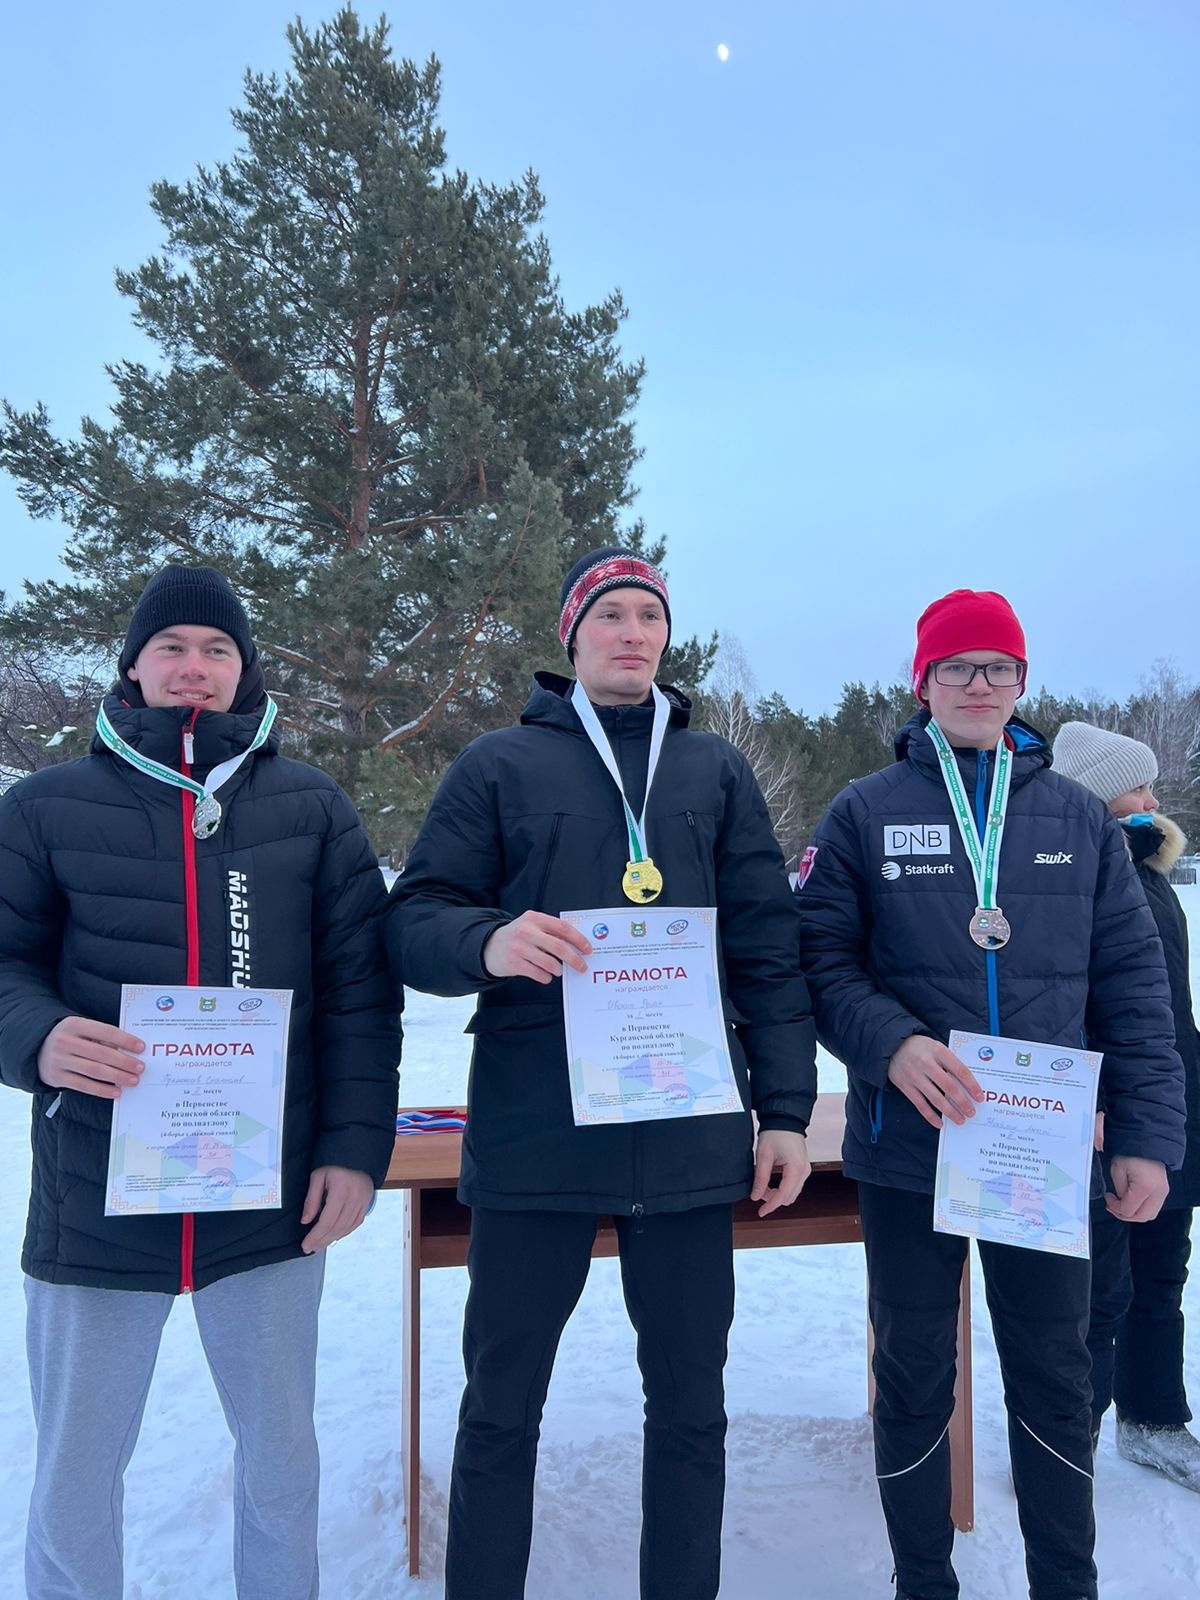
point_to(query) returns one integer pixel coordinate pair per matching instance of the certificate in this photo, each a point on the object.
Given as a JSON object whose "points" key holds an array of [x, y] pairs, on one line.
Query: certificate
{"points": [[645, 1028], [1019, 1171], [203, 1129]]}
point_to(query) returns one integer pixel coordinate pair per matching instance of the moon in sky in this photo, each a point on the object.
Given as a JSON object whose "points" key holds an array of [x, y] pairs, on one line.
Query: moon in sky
{"points": [[722, 52]]}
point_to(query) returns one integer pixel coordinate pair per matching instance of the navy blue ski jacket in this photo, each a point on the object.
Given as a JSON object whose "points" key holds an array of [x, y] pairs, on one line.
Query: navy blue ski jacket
{"points": [[885, 909]]}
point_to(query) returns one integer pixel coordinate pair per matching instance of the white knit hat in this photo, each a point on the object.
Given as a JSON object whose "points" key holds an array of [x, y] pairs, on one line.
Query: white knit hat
{"points": [[1107, 763]]}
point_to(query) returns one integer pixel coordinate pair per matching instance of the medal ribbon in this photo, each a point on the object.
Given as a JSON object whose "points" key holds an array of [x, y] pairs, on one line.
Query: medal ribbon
{"points": [[155, 769], [586, 712], [984, 856]]}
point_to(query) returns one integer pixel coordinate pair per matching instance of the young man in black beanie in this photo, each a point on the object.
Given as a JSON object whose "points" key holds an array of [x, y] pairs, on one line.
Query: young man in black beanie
{"points": [[184, 850], [531, 822]]}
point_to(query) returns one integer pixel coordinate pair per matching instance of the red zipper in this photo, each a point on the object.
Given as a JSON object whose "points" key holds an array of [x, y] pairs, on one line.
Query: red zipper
{"points": [[192, 918]]}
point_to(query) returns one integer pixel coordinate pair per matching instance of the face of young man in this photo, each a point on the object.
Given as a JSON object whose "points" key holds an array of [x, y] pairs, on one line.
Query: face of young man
{"points": [[188, 666], [1133, 802], [971, 715], [618, 646]]}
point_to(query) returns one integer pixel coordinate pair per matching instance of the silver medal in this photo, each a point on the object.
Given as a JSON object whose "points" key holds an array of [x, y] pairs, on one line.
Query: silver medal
{"points": [[206, 818], [990, 929]]}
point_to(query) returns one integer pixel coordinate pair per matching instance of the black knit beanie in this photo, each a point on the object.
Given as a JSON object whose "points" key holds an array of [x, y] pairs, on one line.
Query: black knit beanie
{"points": [[595, 574], [199, 596]]}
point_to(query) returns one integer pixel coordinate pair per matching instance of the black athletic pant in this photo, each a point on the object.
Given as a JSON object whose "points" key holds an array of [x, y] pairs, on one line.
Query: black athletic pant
{"points": [[527, 1271], [1139, 1270], [1039, 1307]]}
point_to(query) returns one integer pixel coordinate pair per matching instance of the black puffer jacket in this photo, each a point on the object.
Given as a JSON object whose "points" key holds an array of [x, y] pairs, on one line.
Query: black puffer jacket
{"points": [[1155, 851], [528, 819], [93, 894], [885, 910]]}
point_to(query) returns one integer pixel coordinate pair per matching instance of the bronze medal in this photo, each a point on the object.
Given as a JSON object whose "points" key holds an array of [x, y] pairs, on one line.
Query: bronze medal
{"points": [[990, 928], [642, 882]]}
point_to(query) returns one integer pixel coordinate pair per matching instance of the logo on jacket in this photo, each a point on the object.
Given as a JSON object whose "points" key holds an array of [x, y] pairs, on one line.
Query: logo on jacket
{"points": [[916, 839], [806, 865], [165, 1003], [600, 930], [237, 898], [1060, 858], [208, 1003], [917, 869], [638, 930]]}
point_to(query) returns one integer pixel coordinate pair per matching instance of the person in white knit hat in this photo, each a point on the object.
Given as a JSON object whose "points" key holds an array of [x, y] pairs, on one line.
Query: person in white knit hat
{"points": [[1138, 1274]]}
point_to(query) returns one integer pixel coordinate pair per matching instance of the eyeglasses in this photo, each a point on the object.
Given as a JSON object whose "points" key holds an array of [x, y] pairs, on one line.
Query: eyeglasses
{"points": [[961, 674]]}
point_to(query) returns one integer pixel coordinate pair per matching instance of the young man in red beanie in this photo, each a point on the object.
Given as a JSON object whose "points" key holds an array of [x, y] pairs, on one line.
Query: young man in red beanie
{"points": [[535, 821], [1020, 916]]}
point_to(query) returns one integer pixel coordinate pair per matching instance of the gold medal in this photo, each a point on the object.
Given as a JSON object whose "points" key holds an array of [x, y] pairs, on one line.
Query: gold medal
{"points": [[990, 929], [642, 881]]}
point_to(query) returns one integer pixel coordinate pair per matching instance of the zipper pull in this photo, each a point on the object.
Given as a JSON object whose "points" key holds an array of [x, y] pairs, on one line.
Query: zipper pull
{"points": [[189, 747]]}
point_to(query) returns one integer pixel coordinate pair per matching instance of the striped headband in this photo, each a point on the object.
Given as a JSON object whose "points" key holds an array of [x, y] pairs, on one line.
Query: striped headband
{"points": [[614, 572]]}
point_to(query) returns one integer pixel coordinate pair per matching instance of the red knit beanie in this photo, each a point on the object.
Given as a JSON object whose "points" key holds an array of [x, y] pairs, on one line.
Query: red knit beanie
{"points": [[965, 619]]}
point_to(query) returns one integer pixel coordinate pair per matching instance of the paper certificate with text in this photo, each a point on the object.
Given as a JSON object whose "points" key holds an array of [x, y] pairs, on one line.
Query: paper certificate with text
{"points": [[1020, 1170], [645, 1027], [203, 1130]]}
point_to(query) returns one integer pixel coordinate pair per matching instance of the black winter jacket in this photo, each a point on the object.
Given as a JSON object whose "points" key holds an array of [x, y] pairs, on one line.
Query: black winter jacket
{"points": [[93, 894], [1154, 851], [529, 819], [887, 953]]}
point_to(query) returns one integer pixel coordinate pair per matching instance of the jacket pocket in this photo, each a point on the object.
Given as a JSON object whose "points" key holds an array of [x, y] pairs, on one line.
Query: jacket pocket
{"points": [[690, 839], [539, 900], [506, 1019]]}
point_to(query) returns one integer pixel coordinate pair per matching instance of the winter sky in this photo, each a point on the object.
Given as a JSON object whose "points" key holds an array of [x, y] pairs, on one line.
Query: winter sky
{"points": [[915, 281]]}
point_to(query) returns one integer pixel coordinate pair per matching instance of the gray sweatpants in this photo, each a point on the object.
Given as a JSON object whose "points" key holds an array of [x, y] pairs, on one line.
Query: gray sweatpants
{"points": [[91, 1358]]}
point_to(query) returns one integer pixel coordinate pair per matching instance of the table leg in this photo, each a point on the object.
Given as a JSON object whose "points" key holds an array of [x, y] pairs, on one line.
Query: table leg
{"points": [[962, 1444], [410, 1367]]}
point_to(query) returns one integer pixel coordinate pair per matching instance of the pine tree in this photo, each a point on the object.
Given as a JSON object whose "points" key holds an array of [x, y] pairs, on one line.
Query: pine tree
{"points": [[371, 409]]}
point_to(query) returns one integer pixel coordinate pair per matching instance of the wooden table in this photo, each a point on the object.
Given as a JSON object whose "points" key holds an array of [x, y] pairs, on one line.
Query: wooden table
{"points": [[436, 1229]]}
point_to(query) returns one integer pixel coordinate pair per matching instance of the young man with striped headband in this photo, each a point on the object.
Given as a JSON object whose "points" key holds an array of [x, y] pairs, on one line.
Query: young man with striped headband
{"points": [[602, 797]]}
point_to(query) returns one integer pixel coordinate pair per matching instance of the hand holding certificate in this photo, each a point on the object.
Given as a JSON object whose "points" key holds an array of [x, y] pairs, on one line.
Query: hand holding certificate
{"points": [[1019, 1171], [645, 1027], [203, 1129]]}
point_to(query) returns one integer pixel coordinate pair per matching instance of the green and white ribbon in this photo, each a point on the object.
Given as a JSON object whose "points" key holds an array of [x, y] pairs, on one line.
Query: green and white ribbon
{"points": [[984, 855], [594, 729], [208, 809]]}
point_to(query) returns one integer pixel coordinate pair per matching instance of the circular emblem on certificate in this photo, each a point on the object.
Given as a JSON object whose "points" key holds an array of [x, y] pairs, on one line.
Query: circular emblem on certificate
{"points": [[642, 881], [206, 818], [990, 929]]}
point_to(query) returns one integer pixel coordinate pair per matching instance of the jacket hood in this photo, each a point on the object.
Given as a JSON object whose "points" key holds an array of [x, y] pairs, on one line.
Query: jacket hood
{"points": [[549, 704], [157, 731], [1158, 847], [1031, 747]]}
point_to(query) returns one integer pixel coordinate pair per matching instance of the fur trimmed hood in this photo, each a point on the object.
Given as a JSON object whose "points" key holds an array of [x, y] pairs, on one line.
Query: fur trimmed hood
{"points": [[1168, 852]]}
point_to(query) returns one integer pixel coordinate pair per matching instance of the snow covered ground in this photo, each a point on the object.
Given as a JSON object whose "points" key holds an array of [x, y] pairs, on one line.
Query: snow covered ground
{"points": [[802, 1516]]}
